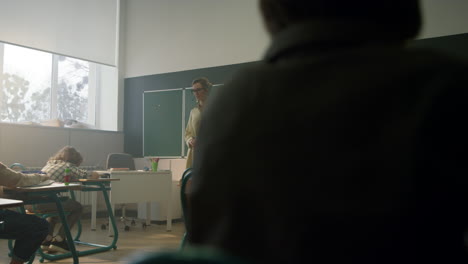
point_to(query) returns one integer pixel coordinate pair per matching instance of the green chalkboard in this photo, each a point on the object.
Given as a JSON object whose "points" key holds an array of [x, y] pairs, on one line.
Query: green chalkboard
{"points": [[162, 123]]}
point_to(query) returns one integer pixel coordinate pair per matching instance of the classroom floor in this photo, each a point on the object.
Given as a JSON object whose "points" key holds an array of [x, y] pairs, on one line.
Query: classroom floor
{"points": [[135, 241]]}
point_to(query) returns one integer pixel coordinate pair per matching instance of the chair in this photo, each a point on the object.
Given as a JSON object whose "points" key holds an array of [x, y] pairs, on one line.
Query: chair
{"points": [[121, 160], [17, 166], [186, 180]]}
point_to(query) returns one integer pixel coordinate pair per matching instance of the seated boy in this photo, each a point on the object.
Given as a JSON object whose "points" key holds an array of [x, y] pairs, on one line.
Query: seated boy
{"points": [[66, 158]]}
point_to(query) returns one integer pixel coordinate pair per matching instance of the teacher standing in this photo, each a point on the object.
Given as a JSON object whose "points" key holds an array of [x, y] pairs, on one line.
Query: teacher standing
{"points": [[201, 89]]}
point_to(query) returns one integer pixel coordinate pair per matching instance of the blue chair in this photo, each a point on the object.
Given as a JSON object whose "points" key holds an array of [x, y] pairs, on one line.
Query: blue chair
{"points": [[186, 177], [17, 165]]}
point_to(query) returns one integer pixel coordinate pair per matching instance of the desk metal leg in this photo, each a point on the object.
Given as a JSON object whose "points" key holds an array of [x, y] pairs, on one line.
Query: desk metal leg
{"points": [[68, 235], [93, 210], [113, 213], [78, 223], [169, 211], [169, 215], [110, 210], [112, 225], [148, 213]]}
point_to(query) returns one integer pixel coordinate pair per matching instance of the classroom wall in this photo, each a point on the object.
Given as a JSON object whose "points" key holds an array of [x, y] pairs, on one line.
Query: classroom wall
{"points": [[443, 18], [32, 146], [176, 35]]}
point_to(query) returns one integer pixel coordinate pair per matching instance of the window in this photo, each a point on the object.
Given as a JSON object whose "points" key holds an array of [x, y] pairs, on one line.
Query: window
{"points": [[25, 83], [37, 86], [72, 89]]}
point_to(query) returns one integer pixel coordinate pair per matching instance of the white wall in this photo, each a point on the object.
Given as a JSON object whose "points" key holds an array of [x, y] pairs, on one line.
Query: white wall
{"points": [[175, 35], [444, 17], [108, 99], [32, 146], [121, 53]]}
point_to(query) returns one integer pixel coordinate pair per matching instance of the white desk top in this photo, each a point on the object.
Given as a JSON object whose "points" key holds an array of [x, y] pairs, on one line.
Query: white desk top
{"points": [[5, 203], [53, 187], [135, 172]]}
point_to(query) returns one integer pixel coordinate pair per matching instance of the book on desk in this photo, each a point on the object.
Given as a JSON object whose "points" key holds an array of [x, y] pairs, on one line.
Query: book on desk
{"points": [[119, 169]]}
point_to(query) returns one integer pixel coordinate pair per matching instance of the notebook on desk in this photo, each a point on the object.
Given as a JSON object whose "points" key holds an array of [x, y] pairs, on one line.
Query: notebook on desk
{"points": [[119, 169], [103, 174], [44, 183]]}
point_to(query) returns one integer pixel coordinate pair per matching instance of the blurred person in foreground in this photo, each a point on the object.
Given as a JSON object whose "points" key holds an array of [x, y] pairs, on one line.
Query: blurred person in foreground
{"points": [[342, 145]]}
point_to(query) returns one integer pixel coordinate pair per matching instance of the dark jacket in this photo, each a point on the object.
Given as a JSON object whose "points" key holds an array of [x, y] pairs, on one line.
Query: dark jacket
{"points": [[342, 146]]}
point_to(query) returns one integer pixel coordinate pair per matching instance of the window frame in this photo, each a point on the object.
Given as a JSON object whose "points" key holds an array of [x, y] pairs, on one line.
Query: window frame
{"points": [[93, 86]]}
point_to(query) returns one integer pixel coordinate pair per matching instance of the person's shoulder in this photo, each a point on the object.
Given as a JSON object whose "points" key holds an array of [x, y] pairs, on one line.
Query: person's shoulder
{"points": [[245, 81], [195, 110], [70, 165], [49, 163], [435, 59], [258, 69]]}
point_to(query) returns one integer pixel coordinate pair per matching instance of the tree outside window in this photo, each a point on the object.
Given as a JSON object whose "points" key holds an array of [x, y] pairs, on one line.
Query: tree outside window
{"points": [[29, 86], [72, 89]]}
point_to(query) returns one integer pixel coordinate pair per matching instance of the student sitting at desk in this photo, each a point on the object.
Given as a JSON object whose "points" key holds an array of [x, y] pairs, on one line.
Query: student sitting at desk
{"points": [[28, 230], [67, 157]]}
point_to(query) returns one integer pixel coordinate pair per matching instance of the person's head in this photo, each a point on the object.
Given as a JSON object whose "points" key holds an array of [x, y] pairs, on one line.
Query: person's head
{"points": [[68, 154], [399, 16], [201, 88]]}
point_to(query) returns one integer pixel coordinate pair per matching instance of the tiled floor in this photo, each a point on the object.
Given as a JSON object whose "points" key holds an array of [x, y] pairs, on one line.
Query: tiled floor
{"points": [[135, 241]]}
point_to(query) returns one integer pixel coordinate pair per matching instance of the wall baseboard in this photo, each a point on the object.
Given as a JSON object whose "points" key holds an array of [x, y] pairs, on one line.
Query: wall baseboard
{"points": [[129, 215]]}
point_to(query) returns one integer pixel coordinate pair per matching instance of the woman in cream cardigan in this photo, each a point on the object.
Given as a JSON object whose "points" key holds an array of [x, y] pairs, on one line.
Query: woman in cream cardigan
{"points": [[201, 89]]}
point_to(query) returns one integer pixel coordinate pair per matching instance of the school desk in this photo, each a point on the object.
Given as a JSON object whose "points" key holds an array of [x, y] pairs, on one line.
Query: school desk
{"points": [[141, 186], [47, 194]]}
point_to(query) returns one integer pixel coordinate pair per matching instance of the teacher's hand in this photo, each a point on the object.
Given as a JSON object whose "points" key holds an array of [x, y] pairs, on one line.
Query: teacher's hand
{"points": [[192, 143]]}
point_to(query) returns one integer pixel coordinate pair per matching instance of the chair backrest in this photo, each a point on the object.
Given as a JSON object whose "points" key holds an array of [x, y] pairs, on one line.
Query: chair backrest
{"points": [[120, 160], [17, 166], [184, 187], [185, 173]]}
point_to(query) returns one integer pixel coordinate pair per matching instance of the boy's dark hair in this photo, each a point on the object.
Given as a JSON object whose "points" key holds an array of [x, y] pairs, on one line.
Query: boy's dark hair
{"points": [[400, 19]]}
